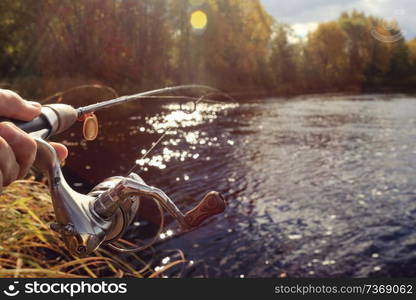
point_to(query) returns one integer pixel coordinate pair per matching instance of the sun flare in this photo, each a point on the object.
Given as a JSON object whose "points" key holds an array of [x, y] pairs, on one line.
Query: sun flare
{"points": [[199, 19]]}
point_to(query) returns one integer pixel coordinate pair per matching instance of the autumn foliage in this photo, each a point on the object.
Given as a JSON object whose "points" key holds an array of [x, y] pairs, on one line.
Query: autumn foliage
{"points": [[132, 45]]}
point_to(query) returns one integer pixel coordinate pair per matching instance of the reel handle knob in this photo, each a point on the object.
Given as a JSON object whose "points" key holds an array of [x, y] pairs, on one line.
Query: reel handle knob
{"points": [[212, 204]]}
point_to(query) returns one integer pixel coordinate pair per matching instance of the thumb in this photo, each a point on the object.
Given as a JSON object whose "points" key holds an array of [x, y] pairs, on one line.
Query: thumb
{"points": [[13, 106], [61, 151]]}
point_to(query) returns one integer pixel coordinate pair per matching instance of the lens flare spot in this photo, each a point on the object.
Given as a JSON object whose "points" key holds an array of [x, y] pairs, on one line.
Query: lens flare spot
{"points": [[199, 19], [196, 2]]}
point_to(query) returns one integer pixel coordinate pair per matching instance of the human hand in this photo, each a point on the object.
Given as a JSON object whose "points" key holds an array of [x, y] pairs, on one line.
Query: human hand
{"points": [[17, 148]]}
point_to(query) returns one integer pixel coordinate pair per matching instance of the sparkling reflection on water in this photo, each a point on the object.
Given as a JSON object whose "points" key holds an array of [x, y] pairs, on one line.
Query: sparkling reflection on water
{"points": [[316, 186]]}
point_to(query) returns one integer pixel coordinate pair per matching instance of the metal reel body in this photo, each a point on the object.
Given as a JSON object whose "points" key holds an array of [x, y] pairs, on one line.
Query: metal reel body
{"points": [[125, 212]]}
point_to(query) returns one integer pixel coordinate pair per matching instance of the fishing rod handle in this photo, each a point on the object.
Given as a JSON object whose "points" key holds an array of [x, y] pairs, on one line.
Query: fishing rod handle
{"points": [[54, 119]]}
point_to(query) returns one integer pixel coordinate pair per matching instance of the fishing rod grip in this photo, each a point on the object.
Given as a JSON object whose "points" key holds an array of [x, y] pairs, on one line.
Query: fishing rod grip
{"points": [[54, 118]]}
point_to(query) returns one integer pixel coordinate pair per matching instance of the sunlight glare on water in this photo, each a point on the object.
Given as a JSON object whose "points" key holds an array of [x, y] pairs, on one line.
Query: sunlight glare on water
{"points": [[174, 123], [177, 118]]}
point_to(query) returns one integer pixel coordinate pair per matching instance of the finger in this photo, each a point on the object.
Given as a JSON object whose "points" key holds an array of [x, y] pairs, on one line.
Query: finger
{"points": [[13, 106], [22, 144], [61, 151], [8, 164]]}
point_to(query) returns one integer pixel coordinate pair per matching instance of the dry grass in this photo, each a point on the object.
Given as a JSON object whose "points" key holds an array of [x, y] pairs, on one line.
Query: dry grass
{"points": [[28, 248]]}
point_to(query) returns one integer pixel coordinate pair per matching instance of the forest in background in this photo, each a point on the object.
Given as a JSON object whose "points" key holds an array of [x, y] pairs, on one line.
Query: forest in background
{"points": [[133, 45]]}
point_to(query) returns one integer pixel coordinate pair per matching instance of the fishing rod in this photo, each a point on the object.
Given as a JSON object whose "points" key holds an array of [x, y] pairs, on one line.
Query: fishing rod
{"points": [[56, 118], [85, 222]]}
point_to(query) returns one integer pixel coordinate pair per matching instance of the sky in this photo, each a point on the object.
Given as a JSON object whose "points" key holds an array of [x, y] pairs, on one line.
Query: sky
{"points": [[304, 15]]}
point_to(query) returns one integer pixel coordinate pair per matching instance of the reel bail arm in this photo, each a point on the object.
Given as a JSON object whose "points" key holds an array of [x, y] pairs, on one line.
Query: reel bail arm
{"points": [[106, 204], [85, 222]]}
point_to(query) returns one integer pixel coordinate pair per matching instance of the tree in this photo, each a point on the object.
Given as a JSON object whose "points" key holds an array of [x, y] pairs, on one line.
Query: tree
{"points": [[234, 47], [411, 45], [325, 53], [356, 27], [283, 61]]}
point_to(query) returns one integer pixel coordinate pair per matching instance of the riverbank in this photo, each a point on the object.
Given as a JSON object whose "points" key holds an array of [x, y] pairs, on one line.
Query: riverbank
{"points": [[288, 95], [29, 248]]}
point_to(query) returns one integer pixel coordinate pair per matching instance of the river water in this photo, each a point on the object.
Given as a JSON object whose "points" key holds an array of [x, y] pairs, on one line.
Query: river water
{"points": [[316, 186]]}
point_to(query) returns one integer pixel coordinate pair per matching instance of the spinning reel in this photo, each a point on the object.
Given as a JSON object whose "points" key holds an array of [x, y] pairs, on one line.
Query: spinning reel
{"points": [[85, 222]]}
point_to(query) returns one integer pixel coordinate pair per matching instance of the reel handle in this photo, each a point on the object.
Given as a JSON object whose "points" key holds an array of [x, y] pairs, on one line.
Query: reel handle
{"points": [[212, 204]]}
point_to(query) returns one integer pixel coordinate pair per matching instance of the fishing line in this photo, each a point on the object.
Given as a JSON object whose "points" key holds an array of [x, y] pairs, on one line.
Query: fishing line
{"points": [[154, 145], [124, 99], [165, 132]]}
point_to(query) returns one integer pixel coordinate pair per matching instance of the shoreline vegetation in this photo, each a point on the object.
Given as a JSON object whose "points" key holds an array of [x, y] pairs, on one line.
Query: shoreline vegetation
{"points": [[29, 248], [236, 46]]}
